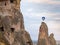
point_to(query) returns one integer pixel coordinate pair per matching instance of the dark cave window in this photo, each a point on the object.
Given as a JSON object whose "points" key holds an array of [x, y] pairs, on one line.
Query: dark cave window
{"points": [[28, 43], [1, 29], [12, 29], [11, 1], [5, 4]]}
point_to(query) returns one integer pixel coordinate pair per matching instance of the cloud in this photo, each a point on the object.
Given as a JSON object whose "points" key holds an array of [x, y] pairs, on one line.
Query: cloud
{"points": [[42, 1], [54, 27], [33, 29], [30, 9], [34, 10], [37, 11], [33, 7], [54, 24], [39, 15], [33, 21]]}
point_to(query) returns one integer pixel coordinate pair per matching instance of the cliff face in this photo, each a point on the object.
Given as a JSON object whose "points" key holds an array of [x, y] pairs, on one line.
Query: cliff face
{"points": [[43, 38], [12, 24]]}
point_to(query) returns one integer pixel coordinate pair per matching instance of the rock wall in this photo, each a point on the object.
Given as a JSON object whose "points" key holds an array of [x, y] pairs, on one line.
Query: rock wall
{"points": [[12, 24]]}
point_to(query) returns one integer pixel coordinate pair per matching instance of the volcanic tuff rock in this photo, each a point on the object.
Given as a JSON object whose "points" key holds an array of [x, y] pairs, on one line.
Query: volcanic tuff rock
{"points": [[43, 38], [12, 30], [27, 38], [52, 39]]}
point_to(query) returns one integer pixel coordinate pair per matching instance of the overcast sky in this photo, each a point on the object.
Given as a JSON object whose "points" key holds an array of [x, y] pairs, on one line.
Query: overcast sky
{"points": [[33, 10]]}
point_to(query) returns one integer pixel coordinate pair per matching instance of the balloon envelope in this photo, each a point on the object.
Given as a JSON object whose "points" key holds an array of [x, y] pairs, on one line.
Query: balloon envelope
{"points": [[43, 18]]}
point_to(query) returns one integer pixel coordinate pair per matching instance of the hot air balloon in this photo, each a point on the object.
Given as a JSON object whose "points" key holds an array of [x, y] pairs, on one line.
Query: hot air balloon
{"points": [[43, 18]]}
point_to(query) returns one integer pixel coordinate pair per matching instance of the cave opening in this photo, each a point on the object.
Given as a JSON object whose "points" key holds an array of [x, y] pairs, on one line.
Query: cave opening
{"points": [[29, 43], [12, 29], [11, 1], [5, 4], [2, 28]]}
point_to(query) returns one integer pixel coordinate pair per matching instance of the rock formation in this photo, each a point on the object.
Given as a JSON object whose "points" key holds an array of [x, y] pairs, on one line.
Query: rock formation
{"points": [[12, 24], [43, 38], [27, 38], [52, 39]]}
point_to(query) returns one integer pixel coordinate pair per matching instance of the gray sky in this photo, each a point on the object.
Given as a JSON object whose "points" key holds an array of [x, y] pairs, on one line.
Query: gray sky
{"points": [[33, 10]]}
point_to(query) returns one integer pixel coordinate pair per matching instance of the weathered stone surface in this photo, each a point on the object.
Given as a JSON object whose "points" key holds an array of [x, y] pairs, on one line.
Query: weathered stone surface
{"points": [[18, 40], [3, 41], [12, 24], [27, 38], [52, 39], [43, 35], [43, 38]]}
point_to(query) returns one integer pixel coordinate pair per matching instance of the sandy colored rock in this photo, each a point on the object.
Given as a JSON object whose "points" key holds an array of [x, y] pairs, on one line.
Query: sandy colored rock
{"points": [[52, 39], [3, 41], [12, 24], [43, 35], [44, 38], [27, 38]]}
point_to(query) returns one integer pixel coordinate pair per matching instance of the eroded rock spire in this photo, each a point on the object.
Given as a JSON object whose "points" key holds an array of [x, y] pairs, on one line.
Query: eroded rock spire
{"points": [[44, 38]]}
